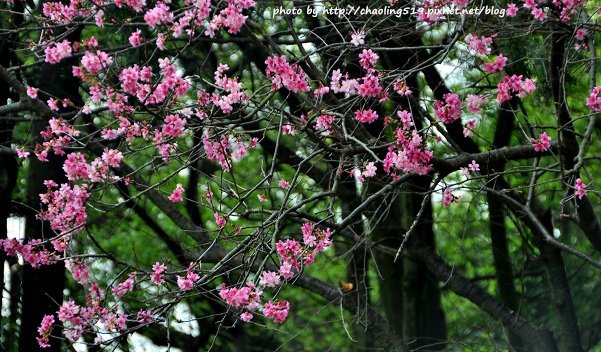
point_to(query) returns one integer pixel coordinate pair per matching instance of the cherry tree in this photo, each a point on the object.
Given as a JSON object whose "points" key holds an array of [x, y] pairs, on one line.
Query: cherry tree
{"points": [[349, 155]]}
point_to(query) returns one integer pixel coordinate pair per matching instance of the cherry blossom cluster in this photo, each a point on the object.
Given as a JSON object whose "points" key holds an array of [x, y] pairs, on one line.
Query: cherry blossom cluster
{"points": [[283, 74], [232, 92], [448, 198], [185, 283], [57, 136], [409, 153], [497, 65], [368, 86], [100, 315], [66, 210], [34, 252], [292, 256], [226, 149], [580, 188], [542, 143], [449, 110], [324, 123], [197, 14], [366, 116], [479, 44], [593, 102], [514, 85], [44, 330]]}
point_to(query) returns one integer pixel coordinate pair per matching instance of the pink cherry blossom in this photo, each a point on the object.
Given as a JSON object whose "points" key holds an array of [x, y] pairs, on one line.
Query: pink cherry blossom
{"points": [[219, 220], [283, 74], [95, 62], [324, 122], [22, 153], [186, 283], [145, 316], [580, 34], [158, 273], [542, 143], [289, 129], [246, 317], [580, 188], [44, 330], [370, 170], [284, 184], [474, 166], [124, 287], [369, 86], [448, 197], [401, 88], [480, 45], [112, 157], [449, 110], [512, 10], [497, 65], [474, 102], [593, 102], [32, 92], [366, 116], [269, 279], [158, 15], [134, 38], [277, 311], [80, 271], [176, 195], [539, 14], [65, 206], [368, 59], [469, 127], [514, 85], [55, 52]]}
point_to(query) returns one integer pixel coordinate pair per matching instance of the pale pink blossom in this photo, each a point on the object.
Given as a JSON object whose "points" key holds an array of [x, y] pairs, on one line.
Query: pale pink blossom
{"points": [[358, 38], [32, 92]]}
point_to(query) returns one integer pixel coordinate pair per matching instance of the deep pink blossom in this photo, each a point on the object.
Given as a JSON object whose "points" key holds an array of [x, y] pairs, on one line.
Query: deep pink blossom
{"points": [[44, 330], [55, 52], [176, 195], [512, 10], [134, 38], [158, 273], [277, 311], [126, 286], [449, 110], [283, 74], [593, 102], [366, 116], [186, 283], [542, 143], [368, 59], [580, 188], [497, 65]]}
